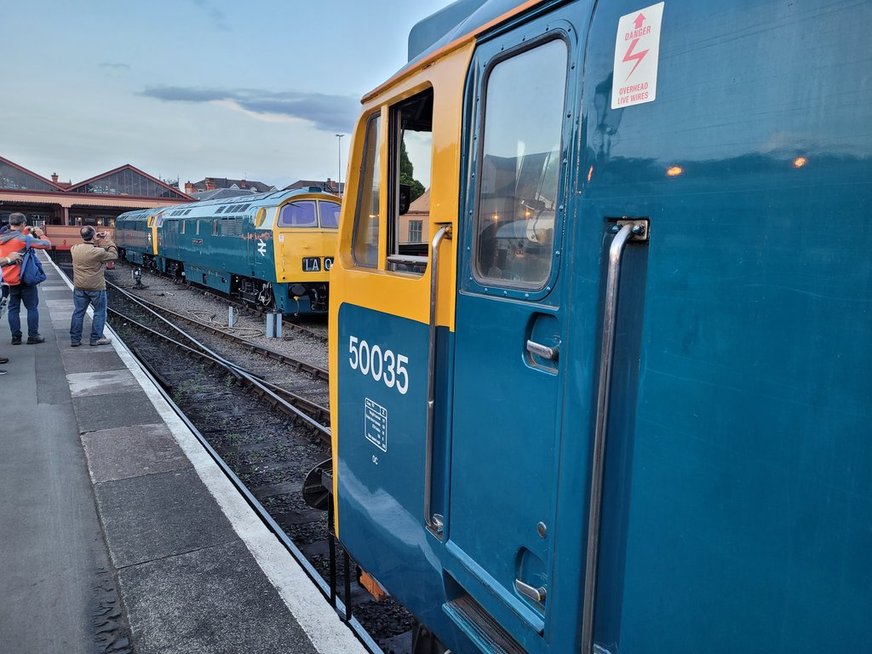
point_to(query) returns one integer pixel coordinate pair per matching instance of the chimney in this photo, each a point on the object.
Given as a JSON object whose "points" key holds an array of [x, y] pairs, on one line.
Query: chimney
{"points": [[54, 178], [329, 184], [243, 184], [189, 188], [210, 184]]}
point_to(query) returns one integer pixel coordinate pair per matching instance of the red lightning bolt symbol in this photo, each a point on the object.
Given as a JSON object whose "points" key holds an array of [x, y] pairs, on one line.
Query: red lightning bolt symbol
{"points": [[634, 56]]}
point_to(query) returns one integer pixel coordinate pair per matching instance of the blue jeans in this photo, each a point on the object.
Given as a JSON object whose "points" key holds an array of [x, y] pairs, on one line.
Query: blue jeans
{"points": [[81, 300], [30, 296]]}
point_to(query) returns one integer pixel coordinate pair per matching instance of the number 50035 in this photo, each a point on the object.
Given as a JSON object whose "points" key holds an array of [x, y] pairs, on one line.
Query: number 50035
{"points": [[381, 365]]}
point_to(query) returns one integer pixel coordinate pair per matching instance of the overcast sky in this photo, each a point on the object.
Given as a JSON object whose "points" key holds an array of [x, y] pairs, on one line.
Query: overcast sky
{"points": [[194, 88]]}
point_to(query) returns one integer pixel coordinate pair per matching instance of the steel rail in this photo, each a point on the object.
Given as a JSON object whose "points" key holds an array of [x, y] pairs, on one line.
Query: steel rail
{"points": [[238, 370], [297, 364]]}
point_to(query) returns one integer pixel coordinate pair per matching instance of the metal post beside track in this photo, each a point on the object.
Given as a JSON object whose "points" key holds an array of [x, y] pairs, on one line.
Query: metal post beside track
{"points": [[273, 324], [332, 550], [346, 563]]}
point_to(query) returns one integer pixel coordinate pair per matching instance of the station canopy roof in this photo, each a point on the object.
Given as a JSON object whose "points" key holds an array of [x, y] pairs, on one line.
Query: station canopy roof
{"points": [[125, 181]]}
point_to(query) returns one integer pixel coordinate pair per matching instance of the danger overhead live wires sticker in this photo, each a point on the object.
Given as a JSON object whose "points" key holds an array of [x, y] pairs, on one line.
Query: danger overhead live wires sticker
{"points": [[637, 52]]}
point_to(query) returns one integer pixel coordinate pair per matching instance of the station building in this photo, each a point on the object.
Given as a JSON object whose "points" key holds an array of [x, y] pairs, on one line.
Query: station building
{"points": [[95, 201]]}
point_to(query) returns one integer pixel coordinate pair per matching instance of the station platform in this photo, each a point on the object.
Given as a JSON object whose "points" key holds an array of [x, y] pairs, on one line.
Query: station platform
{"points": [[118, 532]]}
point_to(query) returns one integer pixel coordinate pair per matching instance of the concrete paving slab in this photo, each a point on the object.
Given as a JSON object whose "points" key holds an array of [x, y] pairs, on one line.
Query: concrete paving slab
{"points": [[60, 316], [89, 359], [101, 382], [96, 412], [156, 516], [184, 594], [132, 451], [51, 384]]}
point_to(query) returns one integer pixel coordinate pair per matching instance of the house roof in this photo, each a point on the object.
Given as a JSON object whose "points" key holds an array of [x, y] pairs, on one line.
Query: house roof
{"points": [[226, 182], [421, 204], [329, 185], [221, 193]]}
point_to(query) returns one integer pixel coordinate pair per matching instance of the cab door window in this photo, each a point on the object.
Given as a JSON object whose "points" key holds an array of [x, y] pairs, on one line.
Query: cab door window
{"points": [[364, 242], [519, 164]]}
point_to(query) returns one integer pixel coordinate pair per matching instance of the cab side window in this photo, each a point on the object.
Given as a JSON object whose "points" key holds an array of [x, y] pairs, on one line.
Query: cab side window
{"points": [[519, 164], [410, 145], [364, 241]]}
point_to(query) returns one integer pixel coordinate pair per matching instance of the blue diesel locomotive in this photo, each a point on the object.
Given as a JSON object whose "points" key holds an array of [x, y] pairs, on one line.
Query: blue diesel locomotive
{"points": [[624, 403], [271, 249]]}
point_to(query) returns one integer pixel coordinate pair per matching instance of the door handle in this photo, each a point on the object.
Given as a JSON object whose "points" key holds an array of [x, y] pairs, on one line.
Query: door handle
{"points": [[535, 594], [434, 522], [543, 351], [626, 230]]}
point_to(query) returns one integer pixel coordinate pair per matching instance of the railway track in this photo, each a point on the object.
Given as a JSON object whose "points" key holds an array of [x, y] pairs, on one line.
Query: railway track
{"points": [[297, 364], [287, 401]]}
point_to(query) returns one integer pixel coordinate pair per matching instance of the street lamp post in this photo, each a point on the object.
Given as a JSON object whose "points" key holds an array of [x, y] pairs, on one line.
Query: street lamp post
{"points": [[339, 179]]}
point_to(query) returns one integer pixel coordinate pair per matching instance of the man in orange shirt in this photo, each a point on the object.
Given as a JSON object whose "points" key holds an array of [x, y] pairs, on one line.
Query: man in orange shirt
{"points": [[17, 239], [12, 259]]}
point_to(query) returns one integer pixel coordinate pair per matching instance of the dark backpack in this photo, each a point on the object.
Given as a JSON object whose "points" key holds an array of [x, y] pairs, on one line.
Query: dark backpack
{"points": [[31, 268]]}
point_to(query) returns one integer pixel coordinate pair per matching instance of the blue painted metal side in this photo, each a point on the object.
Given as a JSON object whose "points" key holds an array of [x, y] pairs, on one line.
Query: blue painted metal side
{"points": [[381, 461], [220, 243], [739, 507], [132, 234]]}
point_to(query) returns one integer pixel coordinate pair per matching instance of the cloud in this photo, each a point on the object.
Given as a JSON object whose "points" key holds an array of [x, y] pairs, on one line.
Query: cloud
{"points": [[114, 65], [216, 16], [330, 113]]}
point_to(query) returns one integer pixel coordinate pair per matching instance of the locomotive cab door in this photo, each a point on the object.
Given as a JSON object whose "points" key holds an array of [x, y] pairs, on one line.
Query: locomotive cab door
{"points": [[510, 326], [261, 253]]}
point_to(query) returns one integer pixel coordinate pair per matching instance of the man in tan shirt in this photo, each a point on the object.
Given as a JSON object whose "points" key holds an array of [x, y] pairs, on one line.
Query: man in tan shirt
{"points": [[89, 258]]}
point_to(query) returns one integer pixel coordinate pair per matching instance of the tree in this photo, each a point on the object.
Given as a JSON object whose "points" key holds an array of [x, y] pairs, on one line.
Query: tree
{"points": [[407, 174]]}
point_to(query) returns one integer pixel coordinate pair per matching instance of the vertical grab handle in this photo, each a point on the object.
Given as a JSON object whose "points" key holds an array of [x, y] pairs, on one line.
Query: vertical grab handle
{"points": [[627, 230], [434, 522]]}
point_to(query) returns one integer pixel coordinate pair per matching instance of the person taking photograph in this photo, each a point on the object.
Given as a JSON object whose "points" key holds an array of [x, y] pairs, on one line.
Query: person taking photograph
{"points": [[89, 282]]}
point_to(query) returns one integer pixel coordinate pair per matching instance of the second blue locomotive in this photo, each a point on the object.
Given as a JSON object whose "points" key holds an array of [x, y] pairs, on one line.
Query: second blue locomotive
{"points": [[271, 249]]}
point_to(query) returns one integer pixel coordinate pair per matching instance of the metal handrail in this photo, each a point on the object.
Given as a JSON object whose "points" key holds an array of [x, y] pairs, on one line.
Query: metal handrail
{"points": [[628, 230], [434, 523]]}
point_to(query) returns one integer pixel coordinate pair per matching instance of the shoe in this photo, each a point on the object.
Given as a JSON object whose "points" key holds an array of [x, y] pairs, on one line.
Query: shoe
{"points": [[16, 340], [4, 360], [2, 372], [35, 340], [75, 343], [101, 341]]}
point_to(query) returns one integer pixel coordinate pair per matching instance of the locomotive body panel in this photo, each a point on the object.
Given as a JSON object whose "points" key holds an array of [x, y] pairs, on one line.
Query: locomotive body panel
{"points": [[619, 445]]}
